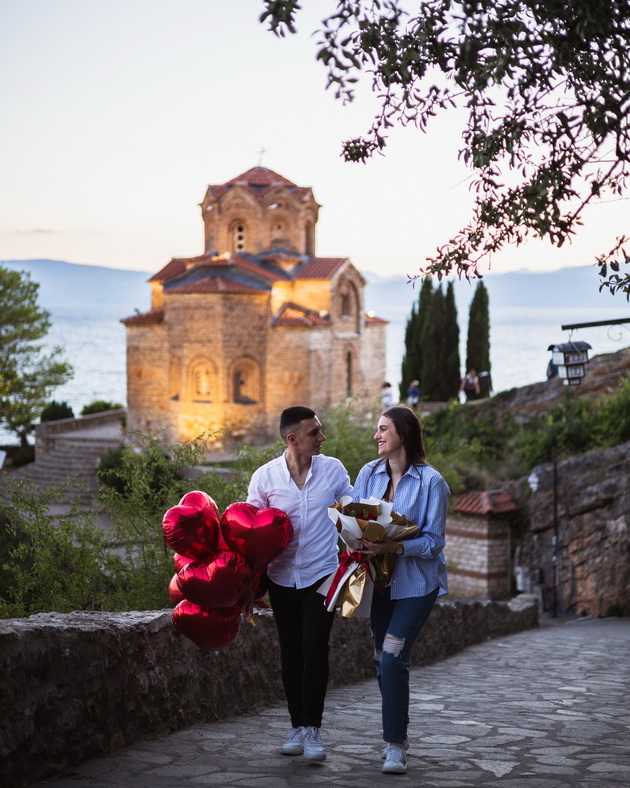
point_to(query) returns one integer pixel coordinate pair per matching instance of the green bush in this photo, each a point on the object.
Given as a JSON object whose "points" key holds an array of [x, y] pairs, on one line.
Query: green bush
{"points": [[58, 563], [100, 406], [23, 456], [612, 421], [473, 445], [55, 411]]}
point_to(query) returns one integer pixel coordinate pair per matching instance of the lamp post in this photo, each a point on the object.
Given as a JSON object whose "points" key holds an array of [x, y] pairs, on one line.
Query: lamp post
{"points": [[570, 358]]}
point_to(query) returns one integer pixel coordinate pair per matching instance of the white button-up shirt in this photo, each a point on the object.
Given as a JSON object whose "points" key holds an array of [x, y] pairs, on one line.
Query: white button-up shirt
{"points": [[312, 552]]}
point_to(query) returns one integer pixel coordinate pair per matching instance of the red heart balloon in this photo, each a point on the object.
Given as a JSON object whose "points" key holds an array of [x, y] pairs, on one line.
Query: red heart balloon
{"points": [[180, 561], [192, 527], [220, 582], [211, 628], [258, 534], [174, 594]]}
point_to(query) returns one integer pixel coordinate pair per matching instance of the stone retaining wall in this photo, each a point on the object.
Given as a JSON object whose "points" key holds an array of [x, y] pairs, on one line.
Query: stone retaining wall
{"points": [[80, 685], [47, 432]]}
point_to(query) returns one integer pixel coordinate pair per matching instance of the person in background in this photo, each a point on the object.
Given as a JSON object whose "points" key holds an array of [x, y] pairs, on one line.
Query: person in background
{"points": [[552, 369], [387, 398], [303, 483], [413, 394], [470, 385], [402, 475]]}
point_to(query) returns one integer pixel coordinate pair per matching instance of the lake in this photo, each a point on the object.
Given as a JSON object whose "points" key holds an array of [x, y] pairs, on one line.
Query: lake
{"points": [[94, 340]]}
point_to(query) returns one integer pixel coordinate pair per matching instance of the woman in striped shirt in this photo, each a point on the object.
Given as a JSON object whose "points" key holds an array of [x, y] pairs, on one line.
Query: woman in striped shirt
{"points": [[401, 475]]}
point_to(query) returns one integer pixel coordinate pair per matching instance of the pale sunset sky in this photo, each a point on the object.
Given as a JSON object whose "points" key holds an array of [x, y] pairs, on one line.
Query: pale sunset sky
{"points": [[118, 113]]}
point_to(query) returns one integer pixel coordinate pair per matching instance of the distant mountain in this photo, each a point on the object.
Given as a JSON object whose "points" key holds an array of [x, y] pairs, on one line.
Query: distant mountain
{"points": [[63, 285], [577, 288]]}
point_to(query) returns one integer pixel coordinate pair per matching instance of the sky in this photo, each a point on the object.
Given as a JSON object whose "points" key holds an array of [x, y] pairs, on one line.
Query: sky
{"points": [[118, 113]]}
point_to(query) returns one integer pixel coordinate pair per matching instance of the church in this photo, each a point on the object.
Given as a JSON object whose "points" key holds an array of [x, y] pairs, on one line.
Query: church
{"points": [[255, 324]]}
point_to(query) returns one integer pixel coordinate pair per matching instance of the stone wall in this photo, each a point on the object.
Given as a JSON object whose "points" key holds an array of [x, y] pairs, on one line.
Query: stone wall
{"points": [[80, 685], [593, 505], [47, 432]]}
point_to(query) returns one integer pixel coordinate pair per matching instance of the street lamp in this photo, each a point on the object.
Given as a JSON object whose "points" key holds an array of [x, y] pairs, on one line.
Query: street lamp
{"points": [[570, 358]]}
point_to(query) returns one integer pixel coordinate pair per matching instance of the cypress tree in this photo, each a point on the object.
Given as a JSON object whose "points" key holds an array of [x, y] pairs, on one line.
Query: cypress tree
{"points": [[451, 359], [478, 344], [409, 362], [411, 368], [432, 338]]}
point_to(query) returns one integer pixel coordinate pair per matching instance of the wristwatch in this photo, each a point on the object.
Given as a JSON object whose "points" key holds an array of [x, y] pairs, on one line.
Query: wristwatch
{"points": [[400, 550]]}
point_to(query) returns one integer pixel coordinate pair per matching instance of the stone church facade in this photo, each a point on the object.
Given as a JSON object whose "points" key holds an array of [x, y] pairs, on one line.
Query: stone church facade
{"points": [[255, 324]]}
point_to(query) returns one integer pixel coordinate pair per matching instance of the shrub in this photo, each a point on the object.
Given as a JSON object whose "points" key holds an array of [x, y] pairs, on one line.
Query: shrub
{"points": [[55, 411], [23, 456], [100, 406], [59, 564], [612, 419]]}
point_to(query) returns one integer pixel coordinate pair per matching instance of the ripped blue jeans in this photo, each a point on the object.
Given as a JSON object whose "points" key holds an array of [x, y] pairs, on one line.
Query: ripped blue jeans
{"points": [[395, 625]]}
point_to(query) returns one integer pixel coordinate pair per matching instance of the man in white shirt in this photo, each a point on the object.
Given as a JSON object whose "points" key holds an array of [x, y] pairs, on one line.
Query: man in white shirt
{"points": [[302, 483]]}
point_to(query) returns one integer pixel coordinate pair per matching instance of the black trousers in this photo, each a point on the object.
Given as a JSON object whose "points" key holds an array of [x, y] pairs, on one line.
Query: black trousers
{"points": [[303, 630]]}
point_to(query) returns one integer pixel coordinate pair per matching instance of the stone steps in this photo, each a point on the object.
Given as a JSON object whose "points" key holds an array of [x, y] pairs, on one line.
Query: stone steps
{"points": [[70, 466]]}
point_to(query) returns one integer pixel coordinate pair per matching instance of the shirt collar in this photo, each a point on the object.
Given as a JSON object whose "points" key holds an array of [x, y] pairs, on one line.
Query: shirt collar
{"points": [[286, 467], [412, 470]]}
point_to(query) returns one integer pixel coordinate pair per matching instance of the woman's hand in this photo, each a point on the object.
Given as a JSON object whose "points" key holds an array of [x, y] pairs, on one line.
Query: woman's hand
{"points": [[386, 545]]}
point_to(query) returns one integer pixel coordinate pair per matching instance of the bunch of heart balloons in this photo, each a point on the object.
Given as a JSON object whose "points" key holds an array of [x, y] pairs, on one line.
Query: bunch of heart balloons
{"points": [[217, 558]]}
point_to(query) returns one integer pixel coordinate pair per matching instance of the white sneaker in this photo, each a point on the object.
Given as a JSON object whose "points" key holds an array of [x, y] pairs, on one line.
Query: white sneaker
{"points": [[405, 744], [294, 745], [313, 747], [395, 759]]}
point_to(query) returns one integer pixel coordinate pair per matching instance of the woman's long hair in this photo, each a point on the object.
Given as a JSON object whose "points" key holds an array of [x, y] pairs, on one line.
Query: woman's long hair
{"points": [[409, 431]]}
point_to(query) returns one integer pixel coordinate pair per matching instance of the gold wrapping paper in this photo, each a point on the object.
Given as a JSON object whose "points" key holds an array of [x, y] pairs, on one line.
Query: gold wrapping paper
{"points": [[352, 592], [382, 566]]}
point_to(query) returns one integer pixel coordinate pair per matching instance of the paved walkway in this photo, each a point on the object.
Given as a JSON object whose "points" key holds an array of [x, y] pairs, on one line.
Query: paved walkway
{"points": [[540, 709]]}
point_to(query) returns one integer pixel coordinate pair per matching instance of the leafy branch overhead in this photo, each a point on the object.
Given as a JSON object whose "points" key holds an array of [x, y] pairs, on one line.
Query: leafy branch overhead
{"points": [[545, 88]]}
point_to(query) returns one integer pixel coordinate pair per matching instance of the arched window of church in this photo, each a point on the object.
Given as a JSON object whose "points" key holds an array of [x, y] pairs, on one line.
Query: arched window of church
{"points": [[346, 307], [349, 374], [239, 233], [202, 381], [245, 382]]}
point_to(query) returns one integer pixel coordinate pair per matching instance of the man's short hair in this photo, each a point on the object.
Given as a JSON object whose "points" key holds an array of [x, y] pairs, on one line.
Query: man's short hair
{"points": [[291, 417]]}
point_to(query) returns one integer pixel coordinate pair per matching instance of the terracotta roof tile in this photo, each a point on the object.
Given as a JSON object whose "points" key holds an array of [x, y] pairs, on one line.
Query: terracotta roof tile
{"points": [[484, 503], [176, 266], [214, 284], [321, 268], [295, 315], [256, 268], [374, 319], [260, 176], [152, 318], [281, 254]]}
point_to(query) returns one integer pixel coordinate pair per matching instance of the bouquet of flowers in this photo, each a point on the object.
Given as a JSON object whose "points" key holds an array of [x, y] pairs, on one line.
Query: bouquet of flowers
{"points": [[352, 585]]}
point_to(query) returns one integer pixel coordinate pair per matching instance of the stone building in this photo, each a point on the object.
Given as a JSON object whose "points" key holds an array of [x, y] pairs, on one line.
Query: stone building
{"points": [[256, 323], [479, 545]]}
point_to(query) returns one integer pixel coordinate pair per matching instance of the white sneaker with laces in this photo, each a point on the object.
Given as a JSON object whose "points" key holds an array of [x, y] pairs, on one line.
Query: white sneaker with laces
{"points": [[294, 744], [395, 759], [313, 747], [405, 744]]}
